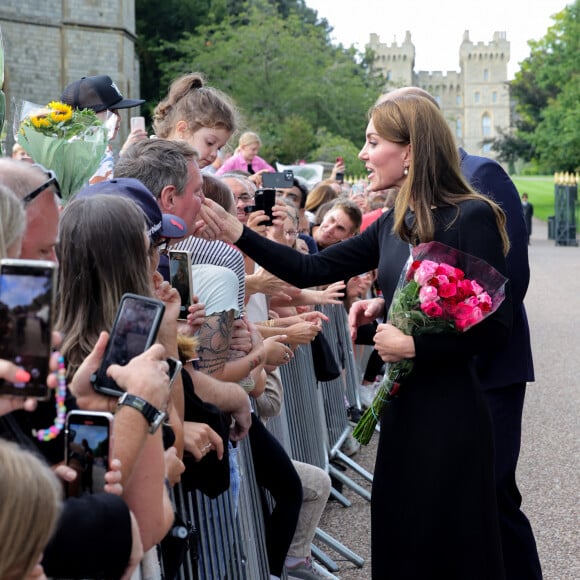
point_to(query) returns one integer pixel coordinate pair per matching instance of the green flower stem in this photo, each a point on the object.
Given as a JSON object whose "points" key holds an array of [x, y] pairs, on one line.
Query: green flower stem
{"points": [[366, 426]]}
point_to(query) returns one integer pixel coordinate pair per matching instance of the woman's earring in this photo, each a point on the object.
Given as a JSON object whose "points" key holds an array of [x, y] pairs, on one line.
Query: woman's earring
{"points": [[405, 171]]}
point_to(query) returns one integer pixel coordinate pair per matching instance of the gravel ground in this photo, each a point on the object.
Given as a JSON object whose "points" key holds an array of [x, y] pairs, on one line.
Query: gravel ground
{"points": [[549, 466]]}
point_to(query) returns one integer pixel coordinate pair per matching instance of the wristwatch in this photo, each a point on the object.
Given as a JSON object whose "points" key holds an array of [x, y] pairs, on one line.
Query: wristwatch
{"points": [[153, 416]]}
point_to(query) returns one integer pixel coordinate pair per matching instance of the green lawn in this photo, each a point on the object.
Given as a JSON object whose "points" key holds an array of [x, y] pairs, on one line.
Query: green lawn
{"points": [[540, 190]]}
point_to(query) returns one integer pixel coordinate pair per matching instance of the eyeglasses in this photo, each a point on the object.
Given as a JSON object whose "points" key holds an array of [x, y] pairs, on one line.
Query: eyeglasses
{"points": [[291, 233], [244, 198], [52, 181], [162, 246]]}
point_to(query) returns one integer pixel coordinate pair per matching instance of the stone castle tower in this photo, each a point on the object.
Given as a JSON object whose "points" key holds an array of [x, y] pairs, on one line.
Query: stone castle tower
{"points": [[47, 45], [475, 100]]}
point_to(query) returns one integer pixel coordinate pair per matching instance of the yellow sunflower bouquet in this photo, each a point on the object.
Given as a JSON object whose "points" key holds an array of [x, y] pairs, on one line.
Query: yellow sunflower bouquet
{"points": [[71, 142]]}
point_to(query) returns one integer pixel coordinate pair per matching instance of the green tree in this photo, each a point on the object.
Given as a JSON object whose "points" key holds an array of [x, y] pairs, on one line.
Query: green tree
{"points": [[546, 90], [510, 147], [278, 69]]}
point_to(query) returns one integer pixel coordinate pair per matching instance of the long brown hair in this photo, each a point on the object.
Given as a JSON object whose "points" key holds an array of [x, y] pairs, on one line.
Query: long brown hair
{"points": [[102, 254], [435, 177]]}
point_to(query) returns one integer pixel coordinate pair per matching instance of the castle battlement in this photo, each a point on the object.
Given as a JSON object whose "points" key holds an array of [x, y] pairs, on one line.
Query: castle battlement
{"points": [[475, 100]]}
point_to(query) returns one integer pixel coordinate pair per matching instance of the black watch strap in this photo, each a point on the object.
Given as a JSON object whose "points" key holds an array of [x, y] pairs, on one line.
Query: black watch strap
{"points": [[153, 416]]}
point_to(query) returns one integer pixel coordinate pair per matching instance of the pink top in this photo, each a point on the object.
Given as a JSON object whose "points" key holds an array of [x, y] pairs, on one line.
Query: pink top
{"points": [[238, 163]]}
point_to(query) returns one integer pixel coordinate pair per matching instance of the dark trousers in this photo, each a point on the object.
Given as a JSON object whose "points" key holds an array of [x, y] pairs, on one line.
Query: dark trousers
{"points": [[519, 546], [275, 472]]}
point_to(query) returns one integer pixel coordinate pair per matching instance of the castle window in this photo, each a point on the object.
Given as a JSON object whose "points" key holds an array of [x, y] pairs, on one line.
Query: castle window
{"points": [[458, 128], [388, 75], [494, 97], [485, 74], [486, 125], [477, 97], [438, 99], [458, 100]]}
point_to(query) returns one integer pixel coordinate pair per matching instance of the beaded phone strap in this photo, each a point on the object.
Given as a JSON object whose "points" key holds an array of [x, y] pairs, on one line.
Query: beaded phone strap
{"points": [[53, 431]]}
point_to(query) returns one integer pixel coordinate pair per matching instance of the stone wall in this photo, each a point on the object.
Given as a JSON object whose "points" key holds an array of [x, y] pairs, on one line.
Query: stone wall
{"points": [[51, 43]]}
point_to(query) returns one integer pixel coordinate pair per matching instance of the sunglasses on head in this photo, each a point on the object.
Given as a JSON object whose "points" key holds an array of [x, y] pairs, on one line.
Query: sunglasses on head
{"points": [[162, 245], [51, 181]]}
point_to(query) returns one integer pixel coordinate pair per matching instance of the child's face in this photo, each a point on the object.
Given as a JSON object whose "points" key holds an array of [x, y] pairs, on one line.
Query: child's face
{"points": [[208, 141]]}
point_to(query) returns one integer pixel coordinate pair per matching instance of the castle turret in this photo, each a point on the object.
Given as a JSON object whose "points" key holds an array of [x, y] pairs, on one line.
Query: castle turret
{"points": [[395, 62], [475, 100]]}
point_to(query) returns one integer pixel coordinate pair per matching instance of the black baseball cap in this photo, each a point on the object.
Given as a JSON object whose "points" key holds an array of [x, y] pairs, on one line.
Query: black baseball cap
{"points": [[159, 225], [98, 93]]}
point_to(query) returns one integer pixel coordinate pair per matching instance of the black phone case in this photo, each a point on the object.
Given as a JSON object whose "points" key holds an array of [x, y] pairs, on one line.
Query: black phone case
{"points": [[101, 382]]}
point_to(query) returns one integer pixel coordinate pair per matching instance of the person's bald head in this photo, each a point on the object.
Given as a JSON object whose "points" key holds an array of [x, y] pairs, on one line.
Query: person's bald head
{"points": [[42, 213], [402, 91]]}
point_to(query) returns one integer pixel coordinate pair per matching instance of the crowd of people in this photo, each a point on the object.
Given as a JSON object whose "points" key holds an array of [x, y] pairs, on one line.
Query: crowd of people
{"points": [[448, 448]]}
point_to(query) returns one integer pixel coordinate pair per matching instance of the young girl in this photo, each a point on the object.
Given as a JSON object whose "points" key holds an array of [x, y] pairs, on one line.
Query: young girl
{"points": [[203, 116]]}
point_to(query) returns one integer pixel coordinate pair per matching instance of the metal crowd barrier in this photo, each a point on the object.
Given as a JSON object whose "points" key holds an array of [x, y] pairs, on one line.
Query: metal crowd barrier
{"points": [[340, 394], [312, 427], [225, 544]]}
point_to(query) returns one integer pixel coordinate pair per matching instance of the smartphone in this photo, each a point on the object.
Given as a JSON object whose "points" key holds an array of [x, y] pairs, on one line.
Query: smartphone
{"points": [[265, 200], [180, 278], [175, 367], [134, 331], [27, 290], [137, 123], [340, 174], [283, 180], [88, 444]]}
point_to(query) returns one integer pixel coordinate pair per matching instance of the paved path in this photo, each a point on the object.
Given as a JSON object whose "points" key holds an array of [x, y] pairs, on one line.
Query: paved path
{"points": [[549, 467]]}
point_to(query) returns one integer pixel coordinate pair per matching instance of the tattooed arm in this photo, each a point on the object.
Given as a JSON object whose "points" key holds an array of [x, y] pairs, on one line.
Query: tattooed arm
{"points": [[214, 353]]}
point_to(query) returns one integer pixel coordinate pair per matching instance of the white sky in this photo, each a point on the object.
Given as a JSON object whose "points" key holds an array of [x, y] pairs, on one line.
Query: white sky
{"points": [[437, 27]]}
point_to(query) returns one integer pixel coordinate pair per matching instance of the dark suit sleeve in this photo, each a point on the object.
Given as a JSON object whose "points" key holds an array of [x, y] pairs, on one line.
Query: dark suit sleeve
{"points": [[490, 179], [92, 539]]}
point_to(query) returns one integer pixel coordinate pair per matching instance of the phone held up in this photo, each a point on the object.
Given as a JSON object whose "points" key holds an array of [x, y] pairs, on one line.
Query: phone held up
{"points": [[134, 331], [180, 278], [137, 123], [88, 444], [340, 174], [27, 290], [281, 180], [265, 200]]}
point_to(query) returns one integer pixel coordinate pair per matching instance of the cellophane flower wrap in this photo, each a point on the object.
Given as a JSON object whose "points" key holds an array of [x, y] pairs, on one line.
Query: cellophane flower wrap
{"points": [[69, 141], [441, 289]]}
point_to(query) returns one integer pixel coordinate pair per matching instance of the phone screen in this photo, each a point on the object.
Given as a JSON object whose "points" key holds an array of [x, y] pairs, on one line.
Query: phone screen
{"points": [[26, 307], [265, 200], [133, 332], [180, 277], [88, 445], [137, 123]]}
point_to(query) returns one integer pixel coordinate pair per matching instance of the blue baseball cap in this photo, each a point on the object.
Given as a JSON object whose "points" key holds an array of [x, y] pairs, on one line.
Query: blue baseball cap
{"points": [[159, 225]]}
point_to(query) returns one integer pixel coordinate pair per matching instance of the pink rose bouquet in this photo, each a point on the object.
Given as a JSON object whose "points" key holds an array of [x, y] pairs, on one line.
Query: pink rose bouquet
{"points": [[442, 289]]}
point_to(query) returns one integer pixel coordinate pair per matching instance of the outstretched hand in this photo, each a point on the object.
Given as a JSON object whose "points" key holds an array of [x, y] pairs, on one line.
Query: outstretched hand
{"points": [[364, 312]]}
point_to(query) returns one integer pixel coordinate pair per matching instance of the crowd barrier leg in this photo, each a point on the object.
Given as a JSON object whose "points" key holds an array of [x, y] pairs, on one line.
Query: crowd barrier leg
{"points": [[340, 548]]}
